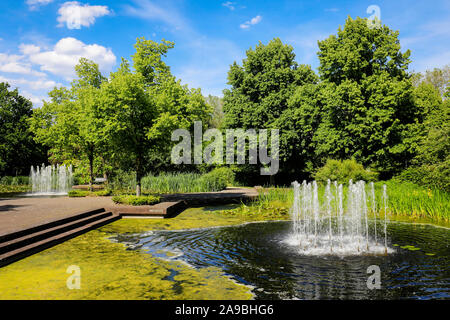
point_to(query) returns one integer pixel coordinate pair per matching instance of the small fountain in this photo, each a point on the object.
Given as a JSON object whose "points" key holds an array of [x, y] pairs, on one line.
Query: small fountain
{"points": [[51, 180], [327, 229]]}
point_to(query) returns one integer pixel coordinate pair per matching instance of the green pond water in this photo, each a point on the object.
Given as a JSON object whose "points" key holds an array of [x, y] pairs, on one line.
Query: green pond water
{"points": [[202, 254]]}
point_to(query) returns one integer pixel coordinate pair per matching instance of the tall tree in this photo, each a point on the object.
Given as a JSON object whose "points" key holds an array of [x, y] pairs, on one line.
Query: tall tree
{"points": [[260, 90], [70, 124], [431, 166], [142, 108], [368, 108], [18, 150]]}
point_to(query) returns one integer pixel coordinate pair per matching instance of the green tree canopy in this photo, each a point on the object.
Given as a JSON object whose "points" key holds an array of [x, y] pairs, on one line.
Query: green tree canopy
{"points": [[367, 106], [71, 124], [260, 90], [18, 150], [142, 108]]}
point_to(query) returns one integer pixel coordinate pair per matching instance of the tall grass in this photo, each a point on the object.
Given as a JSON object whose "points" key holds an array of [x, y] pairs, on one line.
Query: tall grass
{"points": [[174, 183], [14, 181], [215, 180], [405, 199], [409, 199], [268, 196]]}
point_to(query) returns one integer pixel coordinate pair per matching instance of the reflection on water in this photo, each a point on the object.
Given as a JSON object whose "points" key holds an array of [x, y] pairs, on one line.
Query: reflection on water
{"points": [[256, 254]]}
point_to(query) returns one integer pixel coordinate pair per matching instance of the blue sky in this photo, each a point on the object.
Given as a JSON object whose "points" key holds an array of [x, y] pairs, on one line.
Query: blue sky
{"points": [[41, 40]]}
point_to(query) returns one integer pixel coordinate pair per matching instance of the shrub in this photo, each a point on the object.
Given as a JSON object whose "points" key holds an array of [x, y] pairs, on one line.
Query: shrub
{"points": [[217, 179], [343, 171], [432, 176], [136, 201], [103, 193], [87, 193], [78, 193]]}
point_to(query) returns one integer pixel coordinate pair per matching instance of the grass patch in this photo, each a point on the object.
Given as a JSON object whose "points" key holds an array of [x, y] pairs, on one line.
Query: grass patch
{"points": [[136, 201]]}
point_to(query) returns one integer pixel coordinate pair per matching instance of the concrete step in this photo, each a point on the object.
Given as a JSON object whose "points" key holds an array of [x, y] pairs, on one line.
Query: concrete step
{"points": [[49, 232], [22, 233], [162, 210], [34, 247]]}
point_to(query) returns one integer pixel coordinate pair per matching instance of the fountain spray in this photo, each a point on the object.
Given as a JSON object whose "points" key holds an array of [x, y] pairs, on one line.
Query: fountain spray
{"points": [[316, 230], [385, 217], [374, 210]]}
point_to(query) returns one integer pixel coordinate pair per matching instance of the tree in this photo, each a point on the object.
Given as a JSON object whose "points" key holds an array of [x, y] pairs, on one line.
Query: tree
{"points": [[130, 113], [142, 108], [431, 166], [217, 116], [18, 150], [438, 78], [91, 122], [260, 90], [367, 111], [71, 124]]}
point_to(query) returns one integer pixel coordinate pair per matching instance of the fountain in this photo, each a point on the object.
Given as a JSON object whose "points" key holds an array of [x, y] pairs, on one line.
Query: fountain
{"points": [[326, 229], [51, 180]]}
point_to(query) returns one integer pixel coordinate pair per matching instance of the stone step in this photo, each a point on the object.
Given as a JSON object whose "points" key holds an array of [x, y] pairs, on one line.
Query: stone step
{"points": [[34, 247], [22, 233], [47, 233], [162, 210]]}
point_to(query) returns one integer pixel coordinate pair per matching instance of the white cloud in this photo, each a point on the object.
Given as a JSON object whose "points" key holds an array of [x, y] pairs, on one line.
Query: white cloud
{"points": [[34, 4], [29, 48], [74, 15], [59, 60], [251, 22], [16, 64], [36, 100], [38, 84], [25, 87], [230, 5], [66, 53], [171, 16]]}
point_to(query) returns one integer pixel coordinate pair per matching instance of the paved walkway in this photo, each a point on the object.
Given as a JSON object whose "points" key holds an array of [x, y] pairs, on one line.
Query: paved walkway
{"points": [[26, 212]]}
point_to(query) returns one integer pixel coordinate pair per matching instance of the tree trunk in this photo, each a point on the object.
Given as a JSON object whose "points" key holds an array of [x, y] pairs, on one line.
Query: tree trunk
{"points": [[272, 180], [105, 174], [91, 169]]}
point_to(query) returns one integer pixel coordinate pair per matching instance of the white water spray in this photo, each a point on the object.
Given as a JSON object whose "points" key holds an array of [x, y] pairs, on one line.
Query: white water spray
{"points": [[316, 231], [51, 180]]}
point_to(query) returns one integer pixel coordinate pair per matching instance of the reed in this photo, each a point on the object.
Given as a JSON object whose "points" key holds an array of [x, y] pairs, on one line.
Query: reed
{"points": [[404, 199]]}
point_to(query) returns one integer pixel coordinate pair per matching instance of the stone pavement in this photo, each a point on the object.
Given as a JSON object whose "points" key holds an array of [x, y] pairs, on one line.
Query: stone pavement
{"points": [[19, 213]]}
